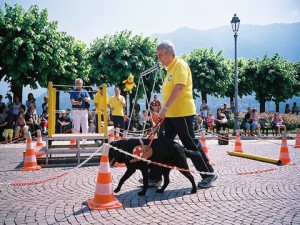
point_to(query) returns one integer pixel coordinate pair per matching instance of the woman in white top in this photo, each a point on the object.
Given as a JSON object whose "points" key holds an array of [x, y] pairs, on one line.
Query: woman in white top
{"points": [[30, 101]]}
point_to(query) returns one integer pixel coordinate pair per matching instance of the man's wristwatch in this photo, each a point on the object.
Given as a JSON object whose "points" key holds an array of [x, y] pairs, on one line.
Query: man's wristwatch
{"points": [[165, 107]]}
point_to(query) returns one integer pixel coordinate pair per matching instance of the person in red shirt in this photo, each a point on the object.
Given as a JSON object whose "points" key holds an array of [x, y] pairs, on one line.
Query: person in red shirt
{"points": [[155, 104]]}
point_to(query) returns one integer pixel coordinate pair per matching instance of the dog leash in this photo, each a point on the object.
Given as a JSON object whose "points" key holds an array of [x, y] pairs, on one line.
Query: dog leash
{"points": [[154, 130]]}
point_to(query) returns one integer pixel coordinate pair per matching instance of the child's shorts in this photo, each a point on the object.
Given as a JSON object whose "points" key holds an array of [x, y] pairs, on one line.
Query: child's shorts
{"points": [[8, 133]]}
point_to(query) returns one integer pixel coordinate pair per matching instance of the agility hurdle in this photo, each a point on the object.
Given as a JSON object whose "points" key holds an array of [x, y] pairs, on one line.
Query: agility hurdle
{"points": [[102, 134], [255, 157]]}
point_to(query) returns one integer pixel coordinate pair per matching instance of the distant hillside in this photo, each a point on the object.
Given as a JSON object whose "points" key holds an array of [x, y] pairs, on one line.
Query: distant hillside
{"points": [[253, 40]]}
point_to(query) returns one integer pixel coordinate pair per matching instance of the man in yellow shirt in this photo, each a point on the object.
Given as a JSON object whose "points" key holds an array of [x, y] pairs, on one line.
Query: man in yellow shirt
{"points": [[116, 104], [179, 108], [100, 100]]}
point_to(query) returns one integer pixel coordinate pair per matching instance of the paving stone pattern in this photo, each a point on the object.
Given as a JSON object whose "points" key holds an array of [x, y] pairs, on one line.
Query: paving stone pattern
{"points": [[271, 197]]}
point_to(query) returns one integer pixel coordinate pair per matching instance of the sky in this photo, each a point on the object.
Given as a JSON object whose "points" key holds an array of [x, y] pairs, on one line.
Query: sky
{"points": [[88, 19]]}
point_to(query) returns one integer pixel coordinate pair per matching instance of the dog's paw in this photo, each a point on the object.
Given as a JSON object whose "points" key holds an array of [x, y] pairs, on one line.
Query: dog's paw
{"points": [[117, 190], [159, 191], [141, 193]]}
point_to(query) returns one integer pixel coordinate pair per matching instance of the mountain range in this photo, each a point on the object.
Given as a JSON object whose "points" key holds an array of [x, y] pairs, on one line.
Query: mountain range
{"points": [[252, 41]]}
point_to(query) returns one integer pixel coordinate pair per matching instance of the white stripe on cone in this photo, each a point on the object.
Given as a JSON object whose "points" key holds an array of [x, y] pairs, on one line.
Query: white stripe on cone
{"points": [[104, 167], [30, 158], [104, 189]]}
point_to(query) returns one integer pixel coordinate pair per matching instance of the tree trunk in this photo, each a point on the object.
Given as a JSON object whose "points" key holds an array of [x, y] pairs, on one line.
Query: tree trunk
{"points": [[17, 91], [277, 107], [262, 105], [204, 96], [232, 99]]}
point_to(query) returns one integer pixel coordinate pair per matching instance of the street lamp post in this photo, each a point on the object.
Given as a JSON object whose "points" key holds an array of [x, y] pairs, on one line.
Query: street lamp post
{"points": [[235, 23]]}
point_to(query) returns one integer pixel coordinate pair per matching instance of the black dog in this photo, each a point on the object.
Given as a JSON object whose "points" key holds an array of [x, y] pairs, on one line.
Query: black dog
{"points": [[164, 151]]}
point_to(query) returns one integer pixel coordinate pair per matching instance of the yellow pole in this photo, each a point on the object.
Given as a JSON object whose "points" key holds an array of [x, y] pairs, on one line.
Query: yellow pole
{"points": [[50, 109], [105, 128], [255, 157], [98, 111], [54, 109]]}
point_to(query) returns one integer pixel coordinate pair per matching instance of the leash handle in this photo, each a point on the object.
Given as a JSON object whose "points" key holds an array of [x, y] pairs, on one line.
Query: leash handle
{"points": [[155, 130]]}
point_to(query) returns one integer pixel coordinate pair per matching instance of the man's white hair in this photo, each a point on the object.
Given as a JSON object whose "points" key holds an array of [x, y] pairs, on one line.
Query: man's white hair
{"points": [[167, 46], [78, 79]]}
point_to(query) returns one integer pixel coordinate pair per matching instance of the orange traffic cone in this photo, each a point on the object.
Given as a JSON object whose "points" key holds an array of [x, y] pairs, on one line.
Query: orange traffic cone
{"points": [[117, 137], [73, 142], [203, 143], [39, 145], [39, 139], [284, 151], [104, 195], [205, 148], [238, 144], [297, 143], [30, 158], [111, 138]]}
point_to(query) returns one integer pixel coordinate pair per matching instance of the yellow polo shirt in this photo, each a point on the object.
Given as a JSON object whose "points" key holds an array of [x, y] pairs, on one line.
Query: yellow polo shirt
{"points": [[118, 107], [100, 100], [178, 72]]}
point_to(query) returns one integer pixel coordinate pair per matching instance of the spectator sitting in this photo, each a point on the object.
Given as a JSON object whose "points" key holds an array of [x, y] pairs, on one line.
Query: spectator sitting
{"points": [[199, 122], [63, 123], [31, 119], [278, 123], [9, 127], [221, 121], [145, 120], [3, 115], [45, 103], [203, 104], [248, 122], [255, 125], [210, 122], [287, 109], [21, 126], [205, 112], [16, 106], [92, 127], [30, 101], [295, 108], [226, 111], [44, 121]]}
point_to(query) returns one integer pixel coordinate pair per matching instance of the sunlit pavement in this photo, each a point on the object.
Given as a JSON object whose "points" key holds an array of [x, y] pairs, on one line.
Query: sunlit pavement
{"points": [[246, 192]]}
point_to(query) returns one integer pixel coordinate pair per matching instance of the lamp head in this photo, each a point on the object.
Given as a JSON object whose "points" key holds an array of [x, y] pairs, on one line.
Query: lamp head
{"points": [[235, 24]]}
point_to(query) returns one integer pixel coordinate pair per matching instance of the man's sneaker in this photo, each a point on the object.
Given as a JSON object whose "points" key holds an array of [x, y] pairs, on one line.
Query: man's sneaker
{"points": [[152, 183], [207, 182]]}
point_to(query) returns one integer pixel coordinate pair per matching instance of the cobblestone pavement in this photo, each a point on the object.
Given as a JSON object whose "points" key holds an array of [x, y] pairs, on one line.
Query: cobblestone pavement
{"points": [[263, 194]]}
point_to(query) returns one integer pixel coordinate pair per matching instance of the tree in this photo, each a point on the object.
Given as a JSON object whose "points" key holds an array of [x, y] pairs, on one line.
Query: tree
{"points": [[271, 79], [33, 52], [210, 72], [244, 86], [113, 58], [296, 88]]}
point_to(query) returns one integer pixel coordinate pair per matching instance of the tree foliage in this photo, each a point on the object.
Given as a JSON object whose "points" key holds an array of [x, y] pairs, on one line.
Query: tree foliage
{"points": [[271, 79], [211, 72], [33, 52], [114, 57]]}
